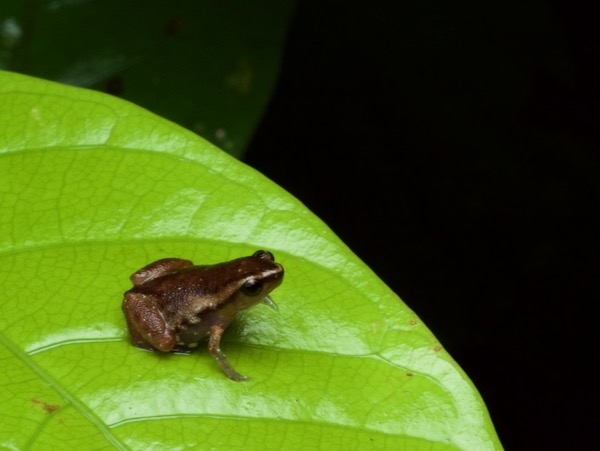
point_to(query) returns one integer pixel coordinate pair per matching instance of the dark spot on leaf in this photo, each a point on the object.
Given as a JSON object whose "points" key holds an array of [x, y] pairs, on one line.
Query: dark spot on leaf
{"points": [[49, 408]]}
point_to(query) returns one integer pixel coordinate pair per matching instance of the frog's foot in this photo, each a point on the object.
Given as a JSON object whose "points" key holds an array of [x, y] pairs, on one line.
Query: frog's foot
{"points": [[268, 301]]}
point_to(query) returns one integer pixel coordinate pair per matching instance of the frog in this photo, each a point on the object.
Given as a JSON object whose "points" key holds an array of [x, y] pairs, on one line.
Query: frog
{"points": [[175, 305]]}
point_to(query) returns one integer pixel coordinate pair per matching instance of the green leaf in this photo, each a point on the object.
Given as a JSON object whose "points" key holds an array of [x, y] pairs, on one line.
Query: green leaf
{"points": [[93, 188], [207, 65]]}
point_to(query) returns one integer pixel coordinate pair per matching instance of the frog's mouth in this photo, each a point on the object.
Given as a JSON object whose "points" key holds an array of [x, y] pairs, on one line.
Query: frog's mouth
{"points": [[268, 301]]}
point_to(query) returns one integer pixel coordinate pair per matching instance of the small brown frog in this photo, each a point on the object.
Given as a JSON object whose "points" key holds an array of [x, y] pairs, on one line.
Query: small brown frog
{"points": [[174, 304]]}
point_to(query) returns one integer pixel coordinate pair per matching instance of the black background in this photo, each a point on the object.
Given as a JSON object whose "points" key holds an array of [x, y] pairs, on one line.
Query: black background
{"points": [[454, 148]]}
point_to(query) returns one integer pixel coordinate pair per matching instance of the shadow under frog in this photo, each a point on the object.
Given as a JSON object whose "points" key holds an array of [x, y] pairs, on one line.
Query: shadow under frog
{"points": [[174, 305]]}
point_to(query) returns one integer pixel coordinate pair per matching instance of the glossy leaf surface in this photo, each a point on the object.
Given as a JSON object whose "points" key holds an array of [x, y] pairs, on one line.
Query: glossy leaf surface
{"points": [[93, 188]]}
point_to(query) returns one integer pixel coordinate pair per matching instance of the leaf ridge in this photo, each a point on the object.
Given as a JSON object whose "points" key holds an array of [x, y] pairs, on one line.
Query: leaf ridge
{"points": [[312, 422]]}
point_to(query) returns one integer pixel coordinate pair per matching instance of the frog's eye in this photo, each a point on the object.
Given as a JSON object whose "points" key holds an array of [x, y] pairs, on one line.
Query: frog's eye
{"points": [[252, 287], [264, 255]]}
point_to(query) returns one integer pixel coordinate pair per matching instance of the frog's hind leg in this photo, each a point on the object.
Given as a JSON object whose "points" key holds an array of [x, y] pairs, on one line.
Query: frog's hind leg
{"points": [[146, 324], [157, 269]]}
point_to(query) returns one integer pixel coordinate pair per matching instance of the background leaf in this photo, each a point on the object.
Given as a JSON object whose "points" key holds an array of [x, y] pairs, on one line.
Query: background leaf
{"points": [[93, 188], [207, 65]]}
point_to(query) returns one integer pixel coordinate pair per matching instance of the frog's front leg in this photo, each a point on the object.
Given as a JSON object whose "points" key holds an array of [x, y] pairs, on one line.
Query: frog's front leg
{"points": [[157, 269], [214, 347], [146, 323]]}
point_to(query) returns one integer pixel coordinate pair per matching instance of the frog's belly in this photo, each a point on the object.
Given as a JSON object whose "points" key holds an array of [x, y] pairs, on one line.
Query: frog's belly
{"points": [[191, 338]]}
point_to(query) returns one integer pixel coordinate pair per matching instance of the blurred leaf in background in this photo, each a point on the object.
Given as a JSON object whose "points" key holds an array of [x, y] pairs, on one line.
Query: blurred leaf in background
{"points": [[207, 65]]}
